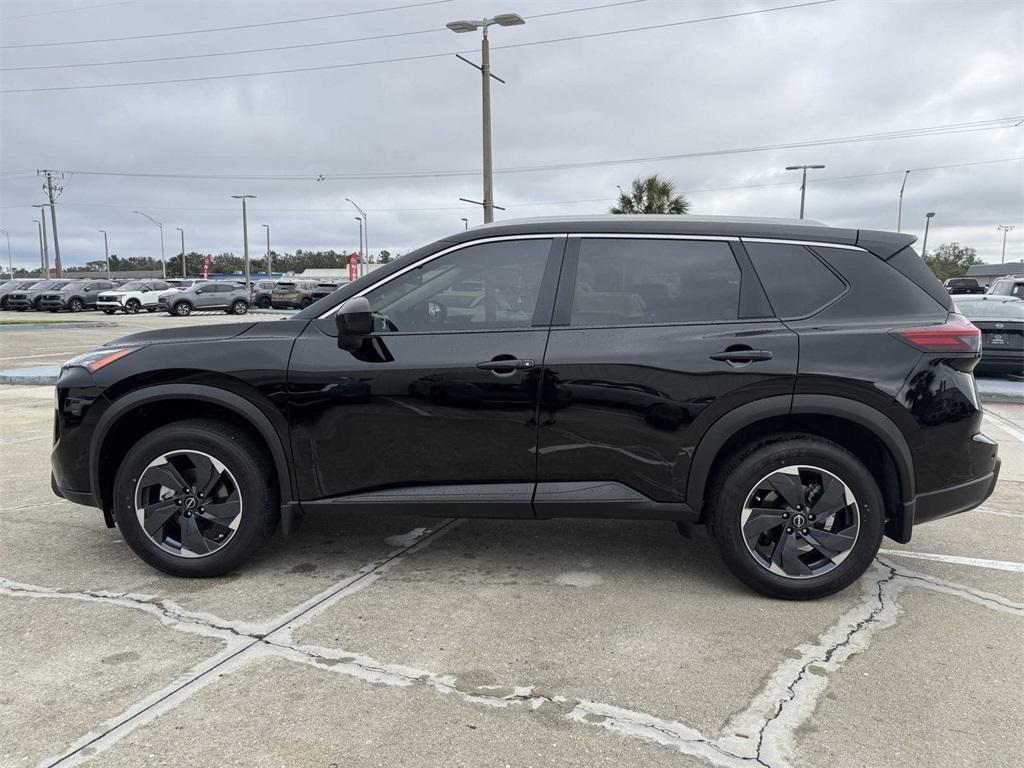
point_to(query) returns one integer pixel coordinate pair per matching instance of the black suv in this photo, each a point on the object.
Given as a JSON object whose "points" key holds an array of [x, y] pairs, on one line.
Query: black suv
{"points": [[799, 389]]}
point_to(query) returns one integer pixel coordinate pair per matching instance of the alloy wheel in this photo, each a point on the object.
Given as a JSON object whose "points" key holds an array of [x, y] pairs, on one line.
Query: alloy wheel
{"points": [[188, 503], [800, 522], [132, 306]]}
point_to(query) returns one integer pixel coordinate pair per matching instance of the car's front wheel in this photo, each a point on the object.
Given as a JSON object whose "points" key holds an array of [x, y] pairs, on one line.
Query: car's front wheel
{"points": [[107, 311], [76, 305], [797, 517], [239, 307], [193, 499], [132, 306], [183, 309]]}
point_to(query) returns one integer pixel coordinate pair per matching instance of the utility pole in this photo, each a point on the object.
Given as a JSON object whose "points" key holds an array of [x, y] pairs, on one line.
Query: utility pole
{"points": [[269, 272], [106, 252], [10, 264], [182, 250], [927, 220], [245, 237], [163, 260], [1005, 227], [53, 220], [899, 216], [43, 252], [365, 226], [470, 25], [803, 184]]}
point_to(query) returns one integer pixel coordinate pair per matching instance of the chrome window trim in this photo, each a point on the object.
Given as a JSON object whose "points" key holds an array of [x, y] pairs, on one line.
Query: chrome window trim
{"points": [[803, 242], [582, 235]]}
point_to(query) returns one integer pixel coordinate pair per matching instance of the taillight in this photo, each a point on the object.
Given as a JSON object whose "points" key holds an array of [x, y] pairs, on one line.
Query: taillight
{"points": [[957, 334]]}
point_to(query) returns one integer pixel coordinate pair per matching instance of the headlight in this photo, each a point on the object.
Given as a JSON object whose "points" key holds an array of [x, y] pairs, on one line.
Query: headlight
{"points": [[100, 358]]}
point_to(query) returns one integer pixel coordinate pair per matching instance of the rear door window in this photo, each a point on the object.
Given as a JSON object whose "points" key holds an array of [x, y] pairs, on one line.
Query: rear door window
{"points": [[627, 281], [798, 284]]}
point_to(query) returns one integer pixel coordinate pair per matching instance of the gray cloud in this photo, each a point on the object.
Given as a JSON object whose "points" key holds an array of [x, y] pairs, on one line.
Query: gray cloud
{"points": [[833, 70]]}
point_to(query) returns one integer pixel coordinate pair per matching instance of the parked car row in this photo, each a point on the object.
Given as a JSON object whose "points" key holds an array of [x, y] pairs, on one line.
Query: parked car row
{"points": [[1001, 322], [177, 296]]}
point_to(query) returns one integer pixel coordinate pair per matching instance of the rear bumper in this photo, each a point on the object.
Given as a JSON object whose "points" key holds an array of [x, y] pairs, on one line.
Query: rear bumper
{"points": [[956, 498]]}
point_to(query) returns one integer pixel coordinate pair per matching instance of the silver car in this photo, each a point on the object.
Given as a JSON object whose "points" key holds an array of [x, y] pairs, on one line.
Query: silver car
{"points": [[230, 297]]}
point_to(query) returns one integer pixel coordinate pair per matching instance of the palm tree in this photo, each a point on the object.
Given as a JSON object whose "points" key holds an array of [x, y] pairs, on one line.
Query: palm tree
{"points": [[651, 195]]}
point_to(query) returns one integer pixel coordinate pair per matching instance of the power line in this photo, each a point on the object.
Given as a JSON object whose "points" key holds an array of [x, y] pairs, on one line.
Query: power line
{"points": [[1003, 122], [67, 10], [421, 57], [226, 29], [922, 169], [299, 46]]}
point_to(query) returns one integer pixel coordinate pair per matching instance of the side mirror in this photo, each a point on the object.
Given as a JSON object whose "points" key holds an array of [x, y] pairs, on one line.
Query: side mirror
{"points": [[354, 319]]}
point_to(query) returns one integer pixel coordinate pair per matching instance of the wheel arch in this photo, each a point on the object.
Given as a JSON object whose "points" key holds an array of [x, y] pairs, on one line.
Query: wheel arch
{"points": [[136, 413], [859, 428]]}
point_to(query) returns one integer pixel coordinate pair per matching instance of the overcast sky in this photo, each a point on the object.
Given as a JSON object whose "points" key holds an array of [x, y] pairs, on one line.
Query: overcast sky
{"points": [[825, 71]]}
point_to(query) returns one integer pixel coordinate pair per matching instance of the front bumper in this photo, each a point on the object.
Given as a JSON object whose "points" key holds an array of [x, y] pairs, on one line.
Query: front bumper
{"points": [[52, 304], [19, 303]]}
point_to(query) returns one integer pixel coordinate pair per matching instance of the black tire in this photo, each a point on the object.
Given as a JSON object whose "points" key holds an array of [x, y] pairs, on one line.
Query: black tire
{"points": [[263, 303], [182, 309], [151, 309], [305, 303], [239, 307], [108, 311], [248, 464], [132, 306], [76, 305], [739, 480]]}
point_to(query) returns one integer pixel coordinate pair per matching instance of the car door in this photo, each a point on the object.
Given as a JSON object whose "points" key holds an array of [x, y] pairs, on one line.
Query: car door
{"points": [[653, 339], [438, 406], [209, 296]]}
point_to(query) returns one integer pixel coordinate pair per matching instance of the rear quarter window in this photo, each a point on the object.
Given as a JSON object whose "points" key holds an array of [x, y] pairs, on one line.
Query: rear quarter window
{"points": [[798, 284]]}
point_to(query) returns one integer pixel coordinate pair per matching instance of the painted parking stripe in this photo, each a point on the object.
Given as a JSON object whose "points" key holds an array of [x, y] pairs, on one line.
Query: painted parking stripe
{"points": [[1006, 425], [977, 562]]}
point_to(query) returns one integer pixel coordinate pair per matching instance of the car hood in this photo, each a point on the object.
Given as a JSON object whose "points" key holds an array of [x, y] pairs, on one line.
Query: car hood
{"points": [[183, 333]]}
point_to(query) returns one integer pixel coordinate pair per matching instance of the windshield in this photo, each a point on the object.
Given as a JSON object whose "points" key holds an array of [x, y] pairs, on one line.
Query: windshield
{"points": [[75, 285], [1010, 309], [134, 285]]}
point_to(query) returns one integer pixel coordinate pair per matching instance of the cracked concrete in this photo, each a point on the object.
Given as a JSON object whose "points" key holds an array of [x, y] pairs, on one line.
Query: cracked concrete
{"points": [[403, 641]]}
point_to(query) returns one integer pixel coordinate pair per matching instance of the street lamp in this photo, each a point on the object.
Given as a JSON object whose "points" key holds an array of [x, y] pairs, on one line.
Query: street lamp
{"points": [[42, 260], [182, 250], [466, 222], [163, 261], [899, 215], [366, 228], [803, 183], [106, 252], [927, 221], [10, 264], [245, 236], [43, 253], [267, 227], [1004, 227], [470, 25], [360, 220]]}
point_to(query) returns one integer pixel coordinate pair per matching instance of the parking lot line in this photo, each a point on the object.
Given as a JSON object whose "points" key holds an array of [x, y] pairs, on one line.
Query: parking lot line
{"points": [[977, 562], [1006, 425]]}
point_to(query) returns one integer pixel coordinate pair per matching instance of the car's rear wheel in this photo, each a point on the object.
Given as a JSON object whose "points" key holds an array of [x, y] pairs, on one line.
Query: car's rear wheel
{"points": [[239, 307], [263, 303], [183, 309], [132, 306], [76, 305], [305, 303], [193, 499], [797, 517]]}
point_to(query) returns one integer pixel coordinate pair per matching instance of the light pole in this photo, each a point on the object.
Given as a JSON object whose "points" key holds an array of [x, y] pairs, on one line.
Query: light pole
{"points": [[470, 25], [106, 252], [899, 216], [1005, 227], [42, 260], [466, 222], [927, 221], [360, 220], [267, 227], [163, 261], [43, 253], [10, 264], [182, 250], [803, 183], [365, 240], [245, 236]]}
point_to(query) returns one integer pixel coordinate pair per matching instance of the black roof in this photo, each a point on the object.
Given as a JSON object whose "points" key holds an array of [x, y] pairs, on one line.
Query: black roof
{"points": [[882, 244]]}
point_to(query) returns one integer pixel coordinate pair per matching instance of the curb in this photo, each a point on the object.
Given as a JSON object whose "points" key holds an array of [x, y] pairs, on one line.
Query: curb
{"points": [[55, 325]]}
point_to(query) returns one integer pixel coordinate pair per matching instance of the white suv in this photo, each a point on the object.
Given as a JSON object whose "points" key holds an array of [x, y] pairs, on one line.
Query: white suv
{"points": [[133, 296]]}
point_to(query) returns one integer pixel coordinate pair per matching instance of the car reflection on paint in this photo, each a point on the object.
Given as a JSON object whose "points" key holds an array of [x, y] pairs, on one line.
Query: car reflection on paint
{"points": [[658, 408]]}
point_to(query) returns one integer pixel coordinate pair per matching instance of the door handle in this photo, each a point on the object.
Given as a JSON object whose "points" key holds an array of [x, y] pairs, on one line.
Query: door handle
{"points": [[507, 365], [742, 355]]}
